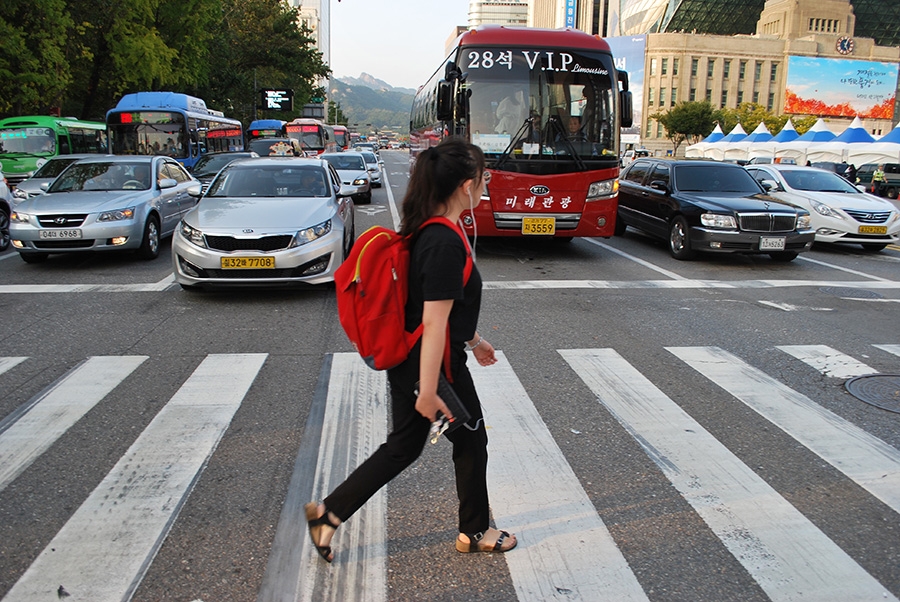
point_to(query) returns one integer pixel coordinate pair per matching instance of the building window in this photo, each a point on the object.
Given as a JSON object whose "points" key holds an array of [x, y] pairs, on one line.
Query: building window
{"points": [[742, 70], [740, 97], [708, 95], [652, 66], [692, 95], [659, 130], [724, 102], [757, 74], [674, 66], [771, 104], [662, 97], [710, 65], [674, 96], [726, 68], [755, 98], [774, 73], [664, 67], [650, 97], [649, 129], [694, 64]]}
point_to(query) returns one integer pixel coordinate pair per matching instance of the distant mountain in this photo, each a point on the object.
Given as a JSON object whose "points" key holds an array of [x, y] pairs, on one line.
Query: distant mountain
{"points": [[368, 100]]}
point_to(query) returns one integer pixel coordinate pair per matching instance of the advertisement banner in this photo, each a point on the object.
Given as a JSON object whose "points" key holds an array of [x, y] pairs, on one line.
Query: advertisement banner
{"points": [[840, 88], [570, 13], [628, 55]]}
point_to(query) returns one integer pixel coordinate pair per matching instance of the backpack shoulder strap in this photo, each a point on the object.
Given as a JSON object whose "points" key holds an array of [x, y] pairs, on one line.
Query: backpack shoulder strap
{"points": [[440, 219]]}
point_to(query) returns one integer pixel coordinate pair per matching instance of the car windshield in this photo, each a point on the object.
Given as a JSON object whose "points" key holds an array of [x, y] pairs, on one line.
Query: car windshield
{"points": [[54, 167], [370, 157], [343, 161], [819, 181], [708, 177], [106, 175], [270, 181], [209, 165]]}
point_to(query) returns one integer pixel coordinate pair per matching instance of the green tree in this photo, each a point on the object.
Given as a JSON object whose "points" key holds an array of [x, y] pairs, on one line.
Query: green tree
{"points": [[34, 72], [335, 114], [689, 121]]}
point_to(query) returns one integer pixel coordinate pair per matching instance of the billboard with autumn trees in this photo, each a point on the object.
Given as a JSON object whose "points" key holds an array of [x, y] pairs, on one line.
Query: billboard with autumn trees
{"points": [[840, 88]]}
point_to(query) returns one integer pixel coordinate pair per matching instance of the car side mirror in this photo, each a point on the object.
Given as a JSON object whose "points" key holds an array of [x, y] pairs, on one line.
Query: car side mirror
{"points": [[659, 185], [770, 185], [167, 183], [344, 192], [45, 186], [195, 190]]}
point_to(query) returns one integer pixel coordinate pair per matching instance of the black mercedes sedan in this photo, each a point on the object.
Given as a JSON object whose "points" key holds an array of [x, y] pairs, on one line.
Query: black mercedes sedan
{"points": [[706, 206]]}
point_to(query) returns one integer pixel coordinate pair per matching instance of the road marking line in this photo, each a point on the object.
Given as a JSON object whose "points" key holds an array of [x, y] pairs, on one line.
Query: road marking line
{"points": [[103, 551], [780, 548], [681, 284], [7, 363], [33, 428], [828, 361], [353, 427], [868, 461], [563, 543], [395, 215], [837, 267], [895, 349], [637, 260]]}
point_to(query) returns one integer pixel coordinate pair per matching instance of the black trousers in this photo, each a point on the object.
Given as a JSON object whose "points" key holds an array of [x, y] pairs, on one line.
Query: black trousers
{"points": [[407, 439]]}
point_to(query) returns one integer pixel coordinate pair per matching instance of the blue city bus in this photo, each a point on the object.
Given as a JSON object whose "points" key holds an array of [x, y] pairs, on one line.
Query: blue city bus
{"points": [[266, 128], [171, 124]]}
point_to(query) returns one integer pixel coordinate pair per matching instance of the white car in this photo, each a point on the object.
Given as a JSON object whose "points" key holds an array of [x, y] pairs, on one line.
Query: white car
{"points": [[268, 221], [351, 166], [373, 164], [839, 212]]}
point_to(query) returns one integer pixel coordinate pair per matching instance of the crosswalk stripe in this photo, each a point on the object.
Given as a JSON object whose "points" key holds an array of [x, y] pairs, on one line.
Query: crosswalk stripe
{"points": [[828, 361], [780, 548], [354, 426], [563, 543], [7, 363], [895, 349], [870, 462], [30, 431], [102, 552]]}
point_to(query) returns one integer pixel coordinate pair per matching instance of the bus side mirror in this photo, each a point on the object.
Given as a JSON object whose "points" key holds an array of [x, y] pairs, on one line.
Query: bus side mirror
{"points": [[444, 100], [626, 109]]}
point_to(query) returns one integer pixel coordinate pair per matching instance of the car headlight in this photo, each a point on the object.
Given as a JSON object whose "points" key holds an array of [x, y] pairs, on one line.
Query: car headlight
{"points": [[360, 181], [825, 210], [716, 220], [602, 190], [310, 234], [803, 222], [18, 217], [20, 194], [117, 215], [192, 234]]}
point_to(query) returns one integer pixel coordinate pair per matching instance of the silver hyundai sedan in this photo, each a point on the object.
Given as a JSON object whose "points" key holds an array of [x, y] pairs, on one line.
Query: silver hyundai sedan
{"points": [[264, 222], [106, 203]]}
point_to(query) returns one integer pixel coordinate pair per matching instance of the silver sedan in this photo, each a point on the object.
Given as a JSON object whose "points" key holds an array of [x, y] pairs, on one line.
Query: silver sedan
{"points": [[107, 203], [266, 221]]}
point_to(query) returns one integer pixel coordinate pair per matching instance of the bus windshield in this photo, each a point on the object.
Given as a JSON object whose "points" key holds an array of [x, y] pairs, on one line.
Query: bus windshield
{"points": [[147, 133], [309, 135], [27, 141], [534, 104]]}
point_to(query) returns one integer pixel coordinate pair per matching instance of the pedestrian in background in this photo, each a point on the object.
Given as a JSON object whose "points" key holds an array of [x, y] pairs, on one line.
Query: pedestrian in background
{"points": [[446, 180], [878, 180]]}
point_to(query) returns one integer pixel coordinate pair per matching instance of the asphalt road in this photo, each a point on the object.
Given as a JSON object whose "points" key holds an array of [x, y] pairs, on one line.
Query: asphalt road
{"points": [[659, 430]]}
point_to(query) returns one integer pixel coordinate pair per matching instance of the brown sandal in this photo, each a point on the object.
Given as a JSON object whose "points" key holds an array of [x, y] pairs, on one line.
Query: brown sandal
{"points": [[476, 543], [315, 523]]}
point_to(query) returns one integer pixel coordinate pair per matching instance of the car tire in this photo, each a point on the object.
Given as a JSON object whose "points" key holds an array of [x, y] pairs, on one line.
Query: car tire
{"points": [[679, 239], [4, 229], [620, 227], [891, 193], [150, 242], [784, 256], [34, 257], [874, 247]]}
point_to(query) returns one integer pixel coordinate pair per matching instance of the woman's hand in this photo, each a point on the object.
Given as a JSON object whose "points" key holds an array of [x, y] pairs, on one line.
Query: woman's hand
{"points": [[429, 404], [484, 353]]}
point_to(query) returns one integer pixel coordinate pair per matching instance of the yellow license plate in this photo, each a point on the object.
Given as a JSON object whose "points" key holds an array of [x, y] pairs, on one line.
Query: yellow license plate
{"points": [[873, 230], [539, 225], [248, 263]]}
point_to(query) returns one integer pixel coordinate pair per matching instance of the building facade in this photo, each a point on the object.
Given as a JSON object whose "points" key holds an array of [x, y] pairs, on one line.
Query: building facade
{"points": [[498, 12], [316, 15]]}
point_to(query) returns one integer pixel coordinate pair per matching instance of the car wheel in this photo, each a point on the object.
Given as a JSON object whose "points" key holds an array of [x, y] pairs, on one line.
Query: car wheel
{"points": [[4, 230], [620, 227], [34, 257], [783, 256], [874, 247], [679, 241], [892, 193], [150, 243]]}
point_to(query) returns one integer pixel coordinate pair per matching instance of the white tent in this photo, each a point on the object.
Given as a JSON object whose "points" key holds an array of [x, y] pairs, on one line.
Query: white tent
{"points": [[696, 151], [719, 150], [798, 149], [884, 150], [838, 149]]}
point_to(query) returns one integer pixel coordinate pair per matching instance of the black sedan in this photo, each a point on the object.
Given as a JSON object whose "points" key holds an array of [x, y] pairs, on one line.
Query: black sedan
{"points": [[709, 206]]}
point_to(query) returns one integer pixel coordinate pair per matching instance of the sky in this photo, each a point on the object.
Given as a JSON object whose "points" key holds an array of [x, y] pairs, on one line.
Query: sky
{"points": [[400, 42]]}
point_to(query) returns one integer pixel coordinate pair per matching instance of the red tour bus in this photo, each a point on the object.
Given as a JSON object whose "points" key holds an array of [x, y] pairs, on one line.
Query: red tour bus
{"points": [[341, 137], [545, 106], [314, 136]]}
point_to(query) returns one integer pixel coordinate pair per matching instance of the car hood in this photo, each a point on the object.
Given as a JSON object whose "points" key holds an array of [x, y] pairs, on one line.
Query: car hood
{"points": [[33, 185], [841, 200], [89, 201], [727, 202], [266, 215]]}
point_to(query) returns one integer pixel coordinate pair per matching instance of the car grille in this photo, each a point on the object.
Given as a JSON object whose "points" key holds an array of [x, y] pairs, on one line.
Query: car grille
{"points": [[78, 243], [767, 222], [265, 243], [62, 220], [513, 221], [868, 217]]}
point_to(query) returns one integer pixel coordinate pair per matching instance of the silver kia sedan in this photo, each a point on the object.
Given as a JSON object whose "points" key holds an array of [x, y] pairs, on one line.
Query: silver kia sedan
{"points": [[107, 203], [270, 221]]}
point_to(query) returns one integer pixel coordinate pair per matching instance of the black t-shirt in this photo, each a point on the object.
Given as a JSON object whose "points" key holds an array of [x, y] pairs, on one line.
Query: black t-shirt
{"points": [[436, 267]]}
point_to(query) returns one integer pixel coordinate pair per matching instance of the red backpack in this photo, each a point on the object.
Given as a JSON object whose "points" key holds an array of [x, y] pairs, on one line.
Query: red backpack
{"points": [[372, 286]]}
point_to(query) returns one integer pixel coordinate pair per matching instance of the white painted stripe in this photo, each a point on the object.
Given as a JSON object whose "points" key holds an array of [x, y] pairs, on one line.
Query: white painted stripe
{"points": [[637, 260], [870, 462], [8, 363], [780, 548], [102, 552], [841, 268], [395, 215], [683, 284], [45, 418], [828, 361], [563, 544], [154, 287], [354, 426], [895, 349]]}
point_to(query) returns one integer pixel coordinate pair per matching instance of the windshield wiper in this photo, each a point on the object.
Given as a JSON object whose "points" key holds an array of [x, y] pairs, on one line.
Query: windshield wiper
{"points": [[563, 137], [527, 125]]}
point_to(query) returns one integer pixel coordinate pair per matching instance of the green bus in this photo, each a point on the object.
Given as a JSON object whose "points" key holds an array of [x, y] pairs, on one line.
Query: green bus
{"points": [[27, 142]]}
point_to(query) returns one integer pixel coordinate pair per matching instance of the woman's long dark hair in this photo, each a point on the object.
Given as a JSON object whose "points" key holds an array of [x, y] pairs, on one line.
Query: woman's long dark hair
{"points": [[437, 174]]}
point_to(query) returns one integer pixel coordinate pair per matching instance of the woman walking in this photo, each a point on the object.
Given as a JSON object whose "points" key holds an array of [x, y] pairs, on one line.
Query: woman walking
{"points": [[446, 180]]}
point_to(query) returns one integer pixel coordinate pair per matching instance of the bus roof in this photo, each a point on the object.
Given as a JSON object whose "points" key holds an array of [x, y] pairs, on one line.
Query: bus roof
{"points": [[266, 124], [50, 121], [502, 35], [163, 100]]}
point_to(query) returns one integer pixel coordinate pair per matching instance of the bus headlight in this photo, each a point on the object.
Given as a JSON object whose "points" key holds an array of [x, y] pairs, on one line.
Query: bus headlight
{"points": [[602, 190]]}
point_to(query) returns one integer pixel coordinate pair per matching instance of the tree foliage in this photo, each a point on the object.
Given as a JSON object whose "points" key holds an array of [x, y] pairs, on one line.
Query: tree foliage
{"points": [[81, 56]]}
